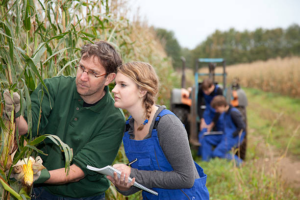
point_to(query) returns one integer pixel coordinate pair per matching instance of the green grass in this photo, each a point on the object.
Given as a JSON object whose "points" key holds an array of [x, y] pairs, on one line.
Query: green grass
{"points": [[255, 179], [265, 108], [275, 102], [227, 182]]}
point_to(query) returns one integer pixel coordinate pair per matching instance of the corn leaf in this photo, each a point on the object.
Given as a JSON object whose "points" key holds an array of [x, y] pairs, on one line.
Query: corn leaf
{"points": [[35, 149], [37, 140], [26, 21], [9, 189], [69, 63], [66, 149], [54, 54], [24, 194], [38, 54], [31, 64]]}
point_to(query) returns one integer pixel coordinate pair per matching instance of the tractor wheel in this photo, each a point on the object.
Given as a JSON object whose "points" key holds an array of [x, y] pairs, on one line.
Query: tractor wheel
{"points": [[183, 113], [242, 149]]}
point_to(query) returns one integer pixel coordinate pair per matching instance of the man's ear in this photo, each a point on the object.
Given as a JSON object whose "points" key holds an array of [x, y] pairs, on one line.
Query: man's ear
{"points": [[110, 78]]}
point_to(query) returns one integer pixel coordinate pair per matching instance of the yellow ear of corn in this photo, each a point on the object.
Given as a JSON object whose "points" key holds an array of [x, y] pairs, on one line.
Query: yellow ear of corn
{"points": [[28, 173]]}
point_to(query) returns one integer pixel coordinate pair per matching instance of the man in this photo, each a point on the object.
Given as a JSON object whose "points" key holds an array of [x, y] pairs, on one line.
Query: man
{"points": [[81, 112], [209, 119], [234, 131]]}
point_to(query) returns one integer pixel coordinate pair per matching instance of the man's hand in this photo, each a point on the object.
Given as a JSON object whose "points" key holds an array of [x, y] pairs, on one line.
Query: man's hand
{"points": [[210, 127], [122, 182], [30, 170], [203, 124], [11, 102]]}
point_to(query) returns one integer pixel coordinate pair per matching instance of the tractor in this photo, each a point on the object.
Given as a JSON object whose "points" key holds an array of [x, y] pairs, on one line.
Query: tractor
{"points": [[184, 101]]}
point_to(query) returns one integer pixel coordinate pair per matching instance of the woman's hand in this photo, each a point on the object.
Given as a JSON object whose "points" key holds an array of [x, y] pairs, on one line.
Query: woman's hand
{"points": [[122, 182]]}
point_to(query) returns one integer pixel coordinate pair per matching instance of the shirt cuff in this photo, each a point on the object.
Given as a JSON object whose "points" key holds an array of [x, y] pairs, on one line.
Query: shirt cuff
{"points": [[82, 166], [128, 192], [18, 114], [133, 173], [45, 175]]}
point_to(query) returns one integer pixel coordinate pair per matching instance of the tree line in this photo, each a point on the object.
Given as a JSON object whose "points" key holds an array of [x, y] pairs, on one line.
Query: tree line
{"points": [[235, 46]]}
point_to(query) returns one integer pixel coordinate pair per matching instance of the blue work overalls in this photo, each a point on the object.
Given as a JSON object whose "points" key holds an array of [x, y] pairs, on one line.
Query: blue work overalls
{"points": [[227, 142], [208, 115], [150, 157]]}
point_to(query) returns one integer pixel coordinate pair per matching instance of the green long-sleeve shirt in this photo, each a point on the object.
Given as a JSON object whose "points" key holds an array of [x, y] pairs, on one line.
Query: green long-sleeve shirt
{"points": [[95, 133]]}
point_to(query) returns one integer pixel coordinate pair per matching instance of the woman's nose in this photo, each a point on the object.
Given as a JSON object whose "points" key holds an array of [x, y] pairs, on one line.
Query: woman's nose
{"points": [[114, 90]]}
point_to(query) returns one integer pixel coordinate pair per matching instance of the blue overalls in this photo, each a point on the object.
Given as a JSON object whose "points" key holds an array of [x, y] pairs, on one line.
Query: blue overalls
{"points": [[208, 115], [150, 156], [227, 142]]}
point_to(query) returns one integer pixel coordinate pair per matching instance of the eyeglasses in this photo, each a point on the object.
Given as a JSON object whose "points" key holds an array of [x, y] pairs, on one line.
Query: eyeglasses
{"points": [[91, 73]]}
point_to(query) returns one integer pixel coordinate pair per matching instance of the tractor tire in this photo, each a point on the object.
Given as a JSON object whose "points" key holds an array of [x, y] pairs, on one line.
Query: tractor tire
{"points": [[242, 149], [183, 113]]}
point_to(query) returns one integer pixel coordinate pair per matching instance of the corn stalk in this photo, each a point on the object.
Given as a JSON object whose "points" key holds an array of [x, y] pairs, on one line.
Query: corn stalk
{"points": [[42, 39]]}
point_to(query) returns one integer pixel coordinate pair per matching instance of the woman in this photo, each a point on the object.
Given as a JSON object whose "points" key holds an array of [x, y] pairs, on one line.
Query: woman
{"points": [[156, 139]]}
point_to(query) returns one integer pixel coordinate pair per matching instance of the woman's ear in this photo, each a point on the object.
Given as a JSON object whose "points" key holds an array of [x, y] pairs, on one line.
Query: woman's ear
{"points": [[142, 93]]}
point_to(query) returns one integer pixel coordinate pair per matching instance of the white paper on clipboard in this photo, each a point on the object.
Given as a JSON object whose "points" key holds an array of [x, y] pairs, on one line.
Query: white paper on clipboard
{"points": [[109, 171]]}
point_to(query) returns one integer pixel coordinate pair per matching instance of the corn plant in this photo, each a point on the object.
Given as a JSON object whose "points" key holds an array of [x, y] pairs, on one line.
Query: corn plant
{"points": [[280, 75], [42, 39]]}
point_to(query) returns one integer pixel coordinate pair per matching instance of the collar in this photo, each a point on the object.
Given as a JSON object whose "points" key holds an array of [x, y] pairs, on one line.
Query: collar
{"points": [[229, 109], [213, 92]]}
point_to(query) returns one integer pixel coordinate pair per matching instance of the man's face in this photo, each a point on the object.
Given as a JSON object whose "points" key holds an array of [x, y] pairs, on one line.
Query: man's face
{"points": [[90, 78], [209, 90], [220, 109]]}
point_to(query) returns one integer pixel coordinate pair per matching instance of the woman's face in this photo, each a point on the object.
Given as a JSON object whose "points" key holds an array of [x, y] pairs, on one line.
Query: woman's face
{"points": [[126, 92]]}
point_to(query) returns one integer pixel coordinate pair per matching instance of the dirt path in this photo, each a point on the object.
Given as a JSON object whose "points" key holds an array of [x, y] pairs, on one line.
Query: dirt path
{"points": [[288, 167], [273, 159]]}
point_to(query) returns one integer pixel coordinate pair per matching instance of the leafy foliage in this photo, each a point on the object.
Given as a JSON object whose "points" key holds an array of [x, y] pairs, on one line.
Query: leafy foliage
{"points": [[171, 45], [247, 46], [42, 39]]}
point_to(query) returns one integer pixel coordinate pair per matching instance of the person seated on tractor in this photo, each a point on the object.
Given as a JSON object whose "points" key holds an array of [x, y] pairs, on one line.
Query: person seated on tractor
{"points": [[234, 132], [209, 119]]}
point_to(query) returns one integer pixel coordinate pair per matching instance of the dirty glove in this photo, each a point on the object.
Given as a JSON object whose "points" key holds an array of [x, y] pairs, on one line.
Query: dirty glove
{"points": [[9, 102], [40, 173], [29, 171]]}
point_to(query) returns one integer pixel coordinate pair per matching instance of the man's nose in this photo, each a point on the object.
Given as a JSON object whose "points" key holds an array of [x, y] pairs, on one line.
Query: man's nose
{"points": [[84, 76]]}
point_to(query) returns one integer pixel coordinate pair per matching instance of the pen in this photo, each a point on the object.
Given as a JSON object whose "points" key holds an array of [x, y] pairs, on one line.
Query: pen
{"points": [[130, 163]]}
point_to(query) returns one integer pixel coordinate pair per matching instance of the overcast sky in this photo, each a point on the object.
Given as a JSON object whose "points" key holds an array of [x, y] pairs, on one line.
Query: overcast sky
{"points": [[193, 20]]}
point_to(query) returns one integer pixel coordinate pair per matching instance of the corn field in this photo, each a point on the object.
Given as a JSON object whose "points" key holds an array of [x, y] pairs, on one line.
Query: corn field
{"points": [[41, 39], [281, 75]]}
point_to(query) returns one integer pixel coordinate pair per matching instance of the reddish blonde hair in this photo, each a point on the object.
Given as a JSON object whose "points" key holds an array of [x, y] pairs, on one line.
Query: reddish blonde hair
{"points": [[145, 77]]}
